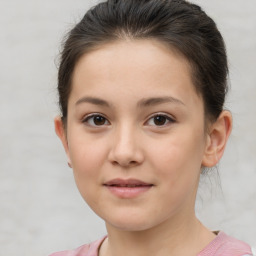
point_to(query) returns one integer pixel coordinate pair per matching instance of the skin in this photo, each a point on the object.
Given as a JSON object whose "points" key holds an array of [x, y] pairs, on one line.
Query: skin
{"points": [[129, 143]]}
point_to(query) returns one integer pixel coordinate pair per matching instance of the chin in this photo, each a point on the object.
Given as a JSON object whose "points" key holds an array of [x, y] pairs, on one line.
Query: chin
{"points": [[130, 227], [126, 223]]}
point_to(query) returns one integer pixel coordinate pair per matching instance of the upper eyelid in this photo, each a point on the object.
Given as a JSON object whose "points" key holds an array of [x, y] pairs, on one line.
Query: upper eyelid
{"points": [[161, 114], [86, 117], [169, 118], [92, 115]]}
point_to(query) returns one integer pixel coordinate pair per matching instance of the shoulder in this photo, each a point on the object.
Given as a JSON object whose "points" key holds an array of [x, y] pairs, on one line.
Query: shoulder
{"points": [[226, 245], [235, 246], [84, 250]]}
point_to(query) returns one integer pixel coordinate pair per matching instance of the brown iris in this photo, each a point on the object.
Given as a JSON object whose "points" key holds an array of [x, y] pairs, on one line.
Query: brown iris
{"points": [[159, 120], [99, 120]]}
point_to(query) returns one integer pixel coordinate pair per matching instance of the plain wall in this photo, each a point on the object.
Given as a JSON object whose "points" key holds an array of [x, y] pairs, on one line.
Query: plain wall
{"points": [[41, 210]]}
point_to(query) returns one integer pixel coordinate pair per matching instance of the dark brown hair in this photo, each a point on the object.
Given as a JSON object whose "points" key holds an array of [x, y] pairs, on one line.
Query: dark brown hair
{"points": [[183, 26]]}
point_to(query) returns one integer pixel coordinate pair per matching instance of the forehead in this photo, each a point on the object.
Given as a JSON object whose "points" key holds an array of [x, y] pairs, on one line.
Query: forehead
{"points": [[133, 51], [146, 66]]}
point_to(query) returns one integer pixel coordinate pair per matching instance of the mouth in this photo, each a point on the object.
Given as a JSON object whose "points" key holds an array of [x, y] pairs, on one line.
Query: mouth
{"points": [[130, 183], [127, 185], [127, 188]]}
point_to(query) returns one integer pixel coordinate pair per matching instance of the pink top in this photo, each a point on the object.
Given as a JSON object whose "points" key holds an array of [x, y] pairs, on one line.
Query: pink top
{"points": [[222, 245]]}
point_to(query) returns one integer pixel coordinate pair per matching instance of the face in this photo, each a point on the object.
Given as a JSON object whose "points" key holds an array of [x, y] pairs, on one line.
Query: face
{"points": [[135, 134]]}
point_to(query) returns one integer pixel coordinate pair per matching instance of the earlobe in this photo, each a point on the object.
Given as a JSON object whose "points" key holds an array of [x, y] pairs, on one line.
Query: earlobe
{"points": [[61, 133], [217, 139]]}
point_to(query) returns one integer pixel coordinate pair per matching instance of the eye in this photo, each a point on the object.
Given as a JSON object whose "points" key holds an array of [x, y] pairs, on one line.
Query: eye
{"points": [[95, 120], [160, 120]]}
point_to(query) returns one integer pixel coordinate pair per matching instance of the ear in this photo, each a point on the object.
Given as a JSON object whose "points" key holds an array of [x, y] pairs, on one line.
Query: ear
{"points": [[61, 133], [217, 138]]}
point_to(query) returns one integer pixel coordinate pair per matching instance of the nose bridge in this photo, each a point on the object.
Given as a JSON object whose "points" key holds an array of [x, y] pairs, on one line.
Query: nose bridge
{"points": [[124, 139], [125, 149]]}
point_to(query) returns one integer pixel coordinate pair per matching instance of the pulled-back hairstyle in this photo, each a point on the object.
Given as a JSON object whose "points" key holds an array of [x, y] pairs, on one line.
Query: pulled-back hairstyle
{"points": [[182, 25]]}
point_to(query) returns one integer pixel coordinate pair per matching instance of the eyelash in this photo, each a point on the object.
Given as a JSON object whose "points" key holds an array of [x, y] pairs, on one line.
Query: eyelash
{"points": [[87, 119], [168, 119], [91, 117]]}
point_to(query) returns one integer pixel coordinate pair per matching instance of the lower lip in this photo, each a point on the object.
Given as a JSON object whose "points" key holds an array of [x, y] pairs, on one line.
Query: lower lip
{"points": [[128, 192]]}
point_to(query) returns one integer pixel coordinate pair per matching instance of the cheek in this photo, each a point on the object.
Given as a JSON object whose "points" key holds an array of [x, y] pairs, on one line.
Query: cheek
{"points": [[180, 156], [86, 162], [87, 156], [178, 169]]}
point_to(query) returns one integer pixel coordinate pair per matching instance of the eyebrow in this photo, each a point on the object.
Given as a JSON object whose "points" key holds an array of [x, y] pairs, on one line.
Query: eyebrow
{"points": [[142, 103], [159, 100], [93, 100]]}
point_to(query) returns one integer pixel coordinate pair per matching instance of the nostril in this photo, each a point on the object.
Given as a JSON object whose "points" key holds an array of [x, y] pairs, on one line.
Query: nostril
{"points": [[115, 163], [125, 163]]}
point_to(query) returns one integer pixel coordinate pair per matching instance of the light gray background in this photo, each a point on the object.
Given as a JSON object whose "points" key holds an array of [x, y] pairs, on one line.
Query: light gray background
{"points": [[41, 210]]}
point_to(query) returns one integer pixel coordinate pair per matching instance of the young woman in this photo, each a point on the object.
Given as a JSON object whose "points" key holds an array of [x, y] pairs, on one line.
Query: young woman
{"points": [[142, 85]]}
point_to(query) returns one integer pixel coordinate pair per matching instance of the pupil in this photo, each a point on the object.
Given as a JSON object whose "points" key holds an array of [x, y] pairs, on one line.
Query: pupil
{"points": [[159, 120], [99, 120]]}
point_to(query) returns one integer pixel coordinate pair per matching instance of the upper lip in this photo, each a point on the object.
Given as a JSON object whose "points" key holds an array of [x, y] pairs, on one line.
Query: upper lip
{"points": [[126, 182]]}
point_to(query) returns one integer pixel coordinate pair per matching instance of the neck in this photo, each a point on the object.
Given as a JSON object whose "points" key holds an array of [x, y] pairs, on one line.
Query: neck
{"points": [[185, 238]]}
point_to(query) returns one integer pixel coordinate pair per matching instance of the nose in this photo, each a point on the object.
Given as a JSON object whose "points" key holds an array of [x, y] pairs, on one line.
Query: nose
{"points": [[126, 149]]}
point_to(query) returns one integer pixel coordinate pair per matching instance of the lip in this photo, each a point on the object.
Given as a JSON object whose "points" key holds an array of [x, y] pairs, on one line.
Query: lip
{"points": [[127, 188]]}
